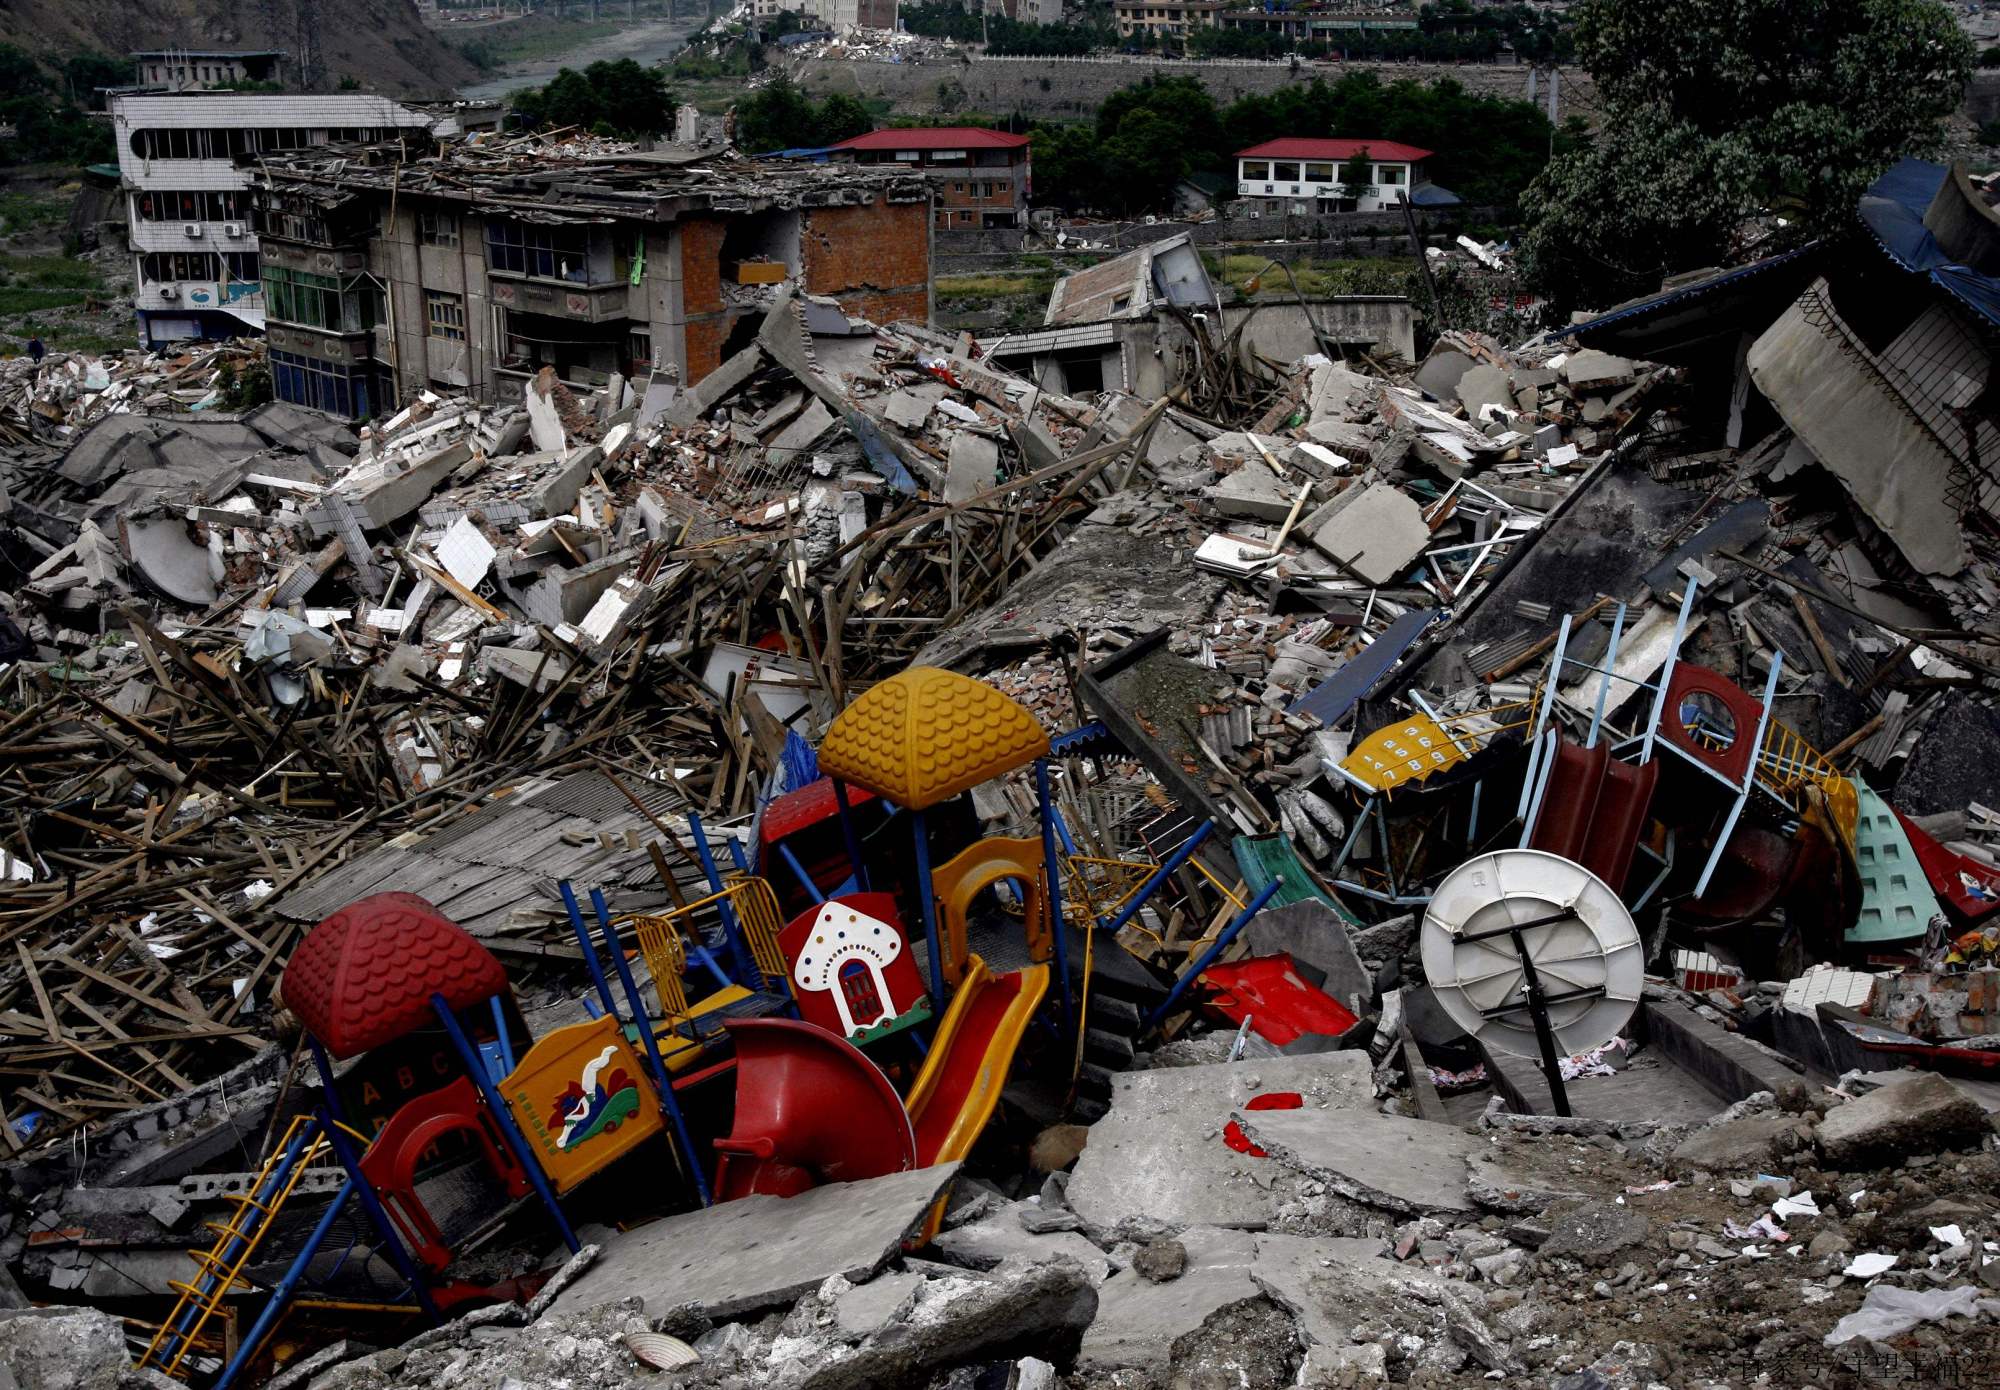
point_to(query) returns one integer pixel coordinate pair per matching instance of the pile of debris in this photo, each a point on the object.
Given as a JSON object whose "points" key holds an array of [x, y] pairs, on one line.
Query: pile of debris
{"points": [[1374, 627]]}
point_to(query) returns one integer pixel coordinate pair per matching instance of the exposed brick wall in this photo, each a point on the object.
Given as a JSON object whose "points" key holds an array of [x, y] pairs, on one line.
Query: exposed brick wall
{"points": [[705, 337], [876, 260], [701, 265]]}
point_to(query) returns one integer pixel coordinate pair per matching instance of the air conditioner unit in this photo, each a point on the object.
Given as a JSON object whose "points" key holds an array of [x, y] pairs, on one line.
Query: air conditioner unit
{"points": [[191, 230], [233, 230], [170, 291]]}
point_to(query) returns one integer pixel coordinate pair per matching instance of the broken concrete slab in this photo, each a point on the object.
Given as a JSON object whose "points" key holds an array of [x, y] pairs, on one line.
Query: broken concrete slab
{"points": [[867, 1308], [1485, 385], [1317, 940], [1405, 1165], [975, 460], [1441, 372], [957, 1321], [62, 1349], [1742, 1145], [1591, 370], [1157, 1164], [1138, 1319], [1375, 532], [804, 430], [1920, 1115], [779, 1247], [1252, 490], [166, 557], [999, 1236]]}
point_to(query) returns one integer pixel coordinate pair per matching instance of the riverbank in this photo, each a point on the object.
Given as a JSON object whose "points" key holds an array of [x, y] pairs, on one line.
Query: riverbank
{"points": [[645, 41]]}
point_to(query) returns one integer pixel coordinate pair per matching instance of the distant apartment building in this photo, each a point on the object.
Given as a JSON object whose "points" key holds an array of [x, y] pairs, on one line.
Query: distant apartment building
{"points": [[1320, 24], [196, 268], [1306, 177], [1027, 11], [383, 278], [199, 69], [1156, 17], [981, 177], [837, 15]]}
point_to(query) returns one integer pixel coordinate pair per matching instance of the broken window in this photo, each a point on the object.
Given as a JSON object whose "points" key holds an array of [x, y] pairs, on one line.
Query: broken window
{"points": [[445, 313], [436, 228], [330, 386], [318, 301], [548, 253], [178, 265]]}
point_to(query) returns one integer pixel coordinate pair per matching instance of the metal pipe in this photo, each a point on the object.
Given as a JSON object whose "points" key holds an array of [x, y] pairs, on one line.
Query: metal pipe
{"points": [[926, 895], [1052, 869], [851, 835], [732, 930], [1160, 875], [282, 1293], [589, 947], [669, 1105], [503, 1120], [1208, 957]]}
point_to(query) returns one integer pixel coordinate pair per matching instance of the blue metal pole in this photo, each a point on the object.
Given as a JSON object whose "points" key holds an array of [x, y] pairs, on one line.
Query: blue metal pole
{"points": [[1052, 871], [503, 1119], [1208, 957], [589, 947], [799, 872], [732, 930], [850, 834], [506, 1043], [261, 1200], [736, 855], [282, 1293], [662, 1078], [343, 1149], [928, 898], [1160, 875]]}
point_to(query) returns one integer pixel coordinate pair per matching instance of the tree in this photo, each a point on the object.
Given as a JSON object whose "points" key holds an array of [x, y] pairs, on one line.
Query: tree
{"points": [[618, 98], [1715, 110], [1068, 167], [778, 116], [1357, 176], [841, 117]]}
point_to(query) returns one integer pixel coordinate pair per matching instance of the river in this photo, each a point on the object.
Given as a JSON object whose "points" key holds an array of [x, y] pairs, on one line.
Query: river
{"points": [[646, 41]]}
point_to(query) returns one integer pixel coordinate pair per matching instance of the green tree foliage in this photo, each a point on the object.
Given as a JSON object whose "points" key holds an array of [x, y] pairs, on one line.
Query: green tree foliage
{"points": [[779, 116], [49, 126], [84, 74], [1715, 110], [1357, 175], [612, 98], [1486, 149]]}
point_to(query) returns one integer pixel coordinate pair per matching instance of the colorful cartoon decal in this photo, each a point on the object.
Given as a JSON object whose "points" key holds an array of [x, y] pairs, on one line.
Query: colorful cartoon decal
{"points": [[588, 1107]]}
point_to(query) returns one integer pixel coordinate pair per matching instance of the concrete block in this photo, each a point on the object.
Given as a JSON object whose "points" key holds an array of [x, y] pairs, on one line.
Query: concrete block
{"points": [[867, 1308], [760, 1251], [1156, 1163], [1441, 372], [1138, 1319], [1403, 1165], [1591, 370], [1920, 1115], [974, 461], [1376, 532], [999, 1235], [1253, 490], [1484, 385], [394, 497], [1748, 1144], [799, 436]]}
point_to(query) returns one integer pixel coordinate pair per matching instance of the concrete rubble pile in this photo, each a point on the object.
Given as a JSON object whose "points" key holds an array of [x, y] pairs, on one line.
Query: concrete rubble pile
{"points": [[1358, 638]]}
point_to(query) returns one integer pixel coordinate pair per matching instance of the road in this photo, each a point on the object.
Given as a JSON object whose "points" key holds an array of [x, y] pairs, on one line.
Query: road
{"points": [[646, 41]]}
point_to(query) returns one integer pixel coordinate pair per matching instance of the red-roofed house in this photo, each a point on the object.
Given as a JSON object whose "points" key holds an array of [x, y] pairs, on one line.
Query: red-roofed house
{"points": [[980, 176], [1304, 176]]}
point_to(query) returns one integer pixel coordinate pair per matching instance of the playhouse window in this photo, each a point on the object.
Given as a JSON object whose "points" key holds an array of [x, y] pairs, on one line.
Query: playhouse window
{"points": [[857, 986]]}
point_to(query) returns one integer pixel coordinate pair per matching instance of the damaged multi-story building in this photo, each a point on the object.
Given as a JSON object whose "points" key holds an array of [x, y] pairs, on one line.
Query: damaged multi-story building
{"points": [[472, 270]]}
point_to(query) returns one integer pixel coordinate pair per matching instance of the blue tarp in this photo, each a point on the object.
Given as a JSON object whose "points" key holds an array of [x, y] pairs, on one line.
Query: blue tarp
{"points": [[1429, 195], [1893, 209]]}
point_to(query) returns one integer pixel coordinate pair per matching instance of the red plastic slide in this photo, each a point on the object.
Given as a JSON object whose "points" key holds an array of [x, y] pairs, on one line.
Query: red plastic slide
{"points": [[810, 1109]]}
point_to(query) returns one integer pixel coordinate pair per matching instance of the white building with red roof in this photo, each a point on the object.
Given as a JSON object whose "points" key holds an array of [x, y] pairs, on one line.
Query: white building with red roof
{"points": [[1304, 177]]}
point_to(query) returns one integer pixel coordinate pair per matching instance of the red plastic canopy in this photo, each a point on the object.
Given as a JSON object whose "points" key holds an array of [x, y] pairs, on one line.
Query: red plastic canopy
{"points": [[365, 975]]}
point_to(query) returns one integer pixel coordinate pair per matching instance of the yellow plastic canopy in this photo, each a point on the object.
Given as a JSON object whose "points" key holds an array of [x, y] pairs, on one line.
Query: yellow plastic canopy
{"points": [[925, 735]]}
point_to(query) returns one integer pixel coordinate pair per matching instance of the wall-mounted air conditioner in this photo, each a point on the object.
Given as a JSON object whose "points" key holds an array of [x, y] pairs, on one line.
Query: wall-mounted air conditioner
{"points": [[191, 230], [232, 230], [170, 291]]}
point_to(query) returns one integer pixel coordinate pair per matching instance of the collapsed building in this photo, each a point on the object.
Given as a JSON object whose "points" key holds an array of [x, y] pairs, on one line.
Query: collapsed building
{"points": [[474, 268], [837, 863]]}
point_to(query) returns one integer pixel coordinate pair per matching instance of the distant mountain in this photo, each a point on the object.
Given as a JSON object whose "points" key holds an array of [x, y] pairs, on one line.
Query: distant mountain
{"points": [[382, 44]]}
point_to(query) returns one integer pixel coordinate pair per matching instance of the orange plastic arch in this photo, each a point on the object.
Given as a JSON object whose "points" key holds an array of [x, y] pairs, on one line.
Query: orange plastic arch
{"points": [[971, 872], [925, 735]]}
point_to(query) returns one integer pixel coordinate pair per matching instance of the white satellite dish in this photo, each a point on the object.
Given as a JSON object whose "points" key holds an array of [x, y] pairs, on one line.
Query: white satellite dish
{"points": [[1516, 921]]}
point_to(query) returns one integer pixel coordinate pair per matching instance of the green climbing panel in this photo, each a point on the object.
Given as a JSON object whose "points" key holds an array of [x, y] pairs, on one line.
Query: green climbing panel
{"points": [[1261, 858], [1896, 901]]}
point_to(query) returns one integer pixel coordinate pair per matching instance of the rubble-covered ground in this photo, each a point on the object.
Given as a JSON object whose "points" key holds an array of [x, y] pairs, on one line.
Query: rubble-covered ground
{"points": [[255, 664]]}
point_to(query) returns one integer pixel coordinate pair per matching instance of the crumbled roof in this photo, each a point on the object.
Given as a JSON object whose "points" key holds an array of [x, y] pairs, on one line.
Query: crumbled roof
{"points": [[1294, 148], [941, 137]]}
